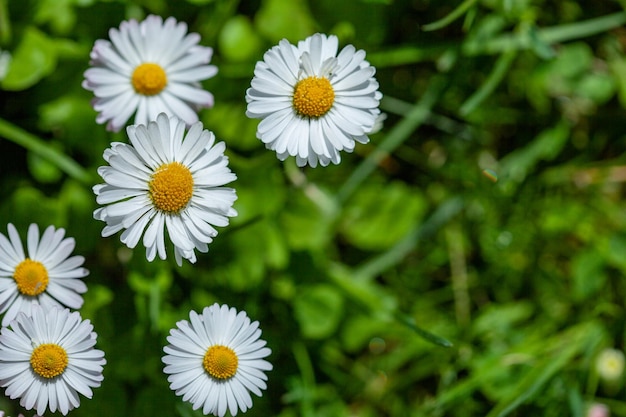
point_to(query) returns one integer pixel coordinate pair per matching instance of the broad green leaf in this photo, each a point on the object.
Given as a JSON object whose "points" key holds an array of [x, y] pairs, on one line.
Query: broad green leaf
{"points": [[42, 169], [58, 13], [318, 309], [278, 19], [238, 40], [34, 58], [305, 224], [598, 87], [379, 215]]}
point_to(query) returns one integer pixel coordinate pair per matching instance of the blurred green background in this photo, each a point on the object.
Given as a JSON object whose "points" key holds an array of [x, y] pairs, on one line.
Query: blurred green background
{"points": [[486, 213]]}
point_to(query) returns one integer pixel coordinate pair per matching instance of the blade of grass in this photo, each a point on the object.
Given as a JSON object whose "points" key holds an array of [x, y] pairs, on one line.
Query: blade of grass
{"points": [[496, 76], [377, 302], [549, 35], [305, 367], [506, 42], [451, 17], [432, 338], [564, 349], [38, 146], [395, 138]]}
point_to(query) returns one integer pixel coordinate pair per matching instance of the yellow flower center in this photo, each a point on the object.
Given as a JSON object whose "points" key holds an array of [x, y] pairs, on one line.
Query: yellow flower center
{"points": [[171, 187], [31, 277], [149, 79], [220, 362], [313, 97], [48, 360]]}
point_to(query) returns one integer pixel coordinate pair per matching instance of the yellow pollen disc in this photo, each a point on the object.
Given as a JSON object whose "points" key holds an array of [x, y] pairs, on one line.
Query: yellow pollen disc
{"points": [[313, 97], [31, 277], [149, 79], [171, 187], [220, 362], [48, 360]]}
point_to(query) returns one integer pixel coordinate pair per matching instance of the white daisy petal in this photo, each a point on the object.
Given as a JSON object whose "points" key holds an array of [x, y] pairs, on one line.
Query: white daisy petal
{"points": [[312, 101], [165, 180], [203, 364], [44, 334], [132, 73]]}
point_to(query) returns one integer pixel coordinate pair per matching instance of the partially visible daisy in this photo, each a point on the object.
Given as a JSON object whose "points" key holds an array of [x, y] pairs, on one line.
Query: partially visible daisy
{"points": [[313, 102], [149, 67], [216, 359], [48, 358], [164, 182], [46, 275], [610, 364], [19, 415]]}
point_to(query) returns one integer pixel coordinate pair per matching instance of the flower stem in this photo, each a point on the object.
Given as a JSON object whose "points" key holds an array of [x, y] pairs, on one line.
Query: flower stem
{"points": [[38, 146]]}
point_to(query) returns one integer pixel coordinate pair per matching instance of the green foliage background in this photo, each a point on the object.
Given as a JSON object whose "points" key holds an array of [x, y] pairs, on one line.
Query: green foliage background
{"points": [[488, 211]]}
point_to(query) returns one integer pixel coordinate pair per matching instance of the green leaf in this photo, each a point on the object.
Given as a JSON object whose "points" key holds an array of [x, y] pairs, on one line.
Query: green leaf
{"points": [[42, 169], [278, 19], [380, 214], [34, 58], [598, 87], [58, 13], [318, 309], [305, 224], [545, 147], [238, 40]]}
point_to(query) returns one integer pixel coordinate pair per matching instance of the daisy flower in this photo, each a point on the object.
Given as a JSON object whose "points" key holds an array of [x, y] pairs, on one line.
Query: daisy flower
{"points": [[48, 358], [215, 360], [313, 102], [149, 67], [46, 276], [19, 415], [161, 181]]}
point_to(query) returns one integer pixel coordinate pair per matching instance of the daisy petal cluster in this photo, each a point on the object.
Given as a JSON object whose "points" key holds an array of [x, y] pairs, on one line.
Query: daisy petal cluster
{"points": [[216, 359], [147, 68], [166, 180], [48, 358], [312, 101], [46, 274]]}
